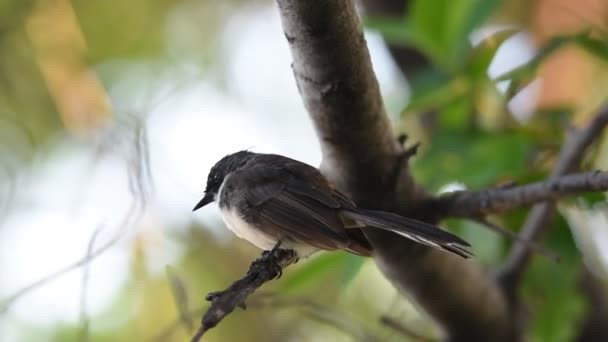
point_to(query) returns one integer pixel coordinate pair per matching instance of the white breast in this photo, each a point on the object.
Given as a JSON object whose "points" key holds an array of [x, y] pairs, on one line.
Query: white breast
{"points": [[245, 231], [242, 229]]}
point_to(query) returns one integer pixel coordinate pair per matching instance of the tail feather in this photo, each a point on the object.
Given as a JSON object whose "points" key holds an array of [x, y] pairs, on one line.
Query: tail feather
{"points": [[415, 230]]}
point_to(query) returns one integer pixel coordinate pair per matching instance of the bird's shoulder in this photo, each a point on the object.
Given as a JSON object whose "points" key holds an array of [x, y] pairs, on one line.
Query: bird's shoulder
{"points": [[267, 176]]}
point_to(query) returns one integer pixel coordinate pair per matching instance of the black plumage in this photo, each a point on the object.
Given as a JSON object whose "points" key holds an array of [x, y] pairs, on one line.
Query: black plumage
{"points": [[267, 198]]}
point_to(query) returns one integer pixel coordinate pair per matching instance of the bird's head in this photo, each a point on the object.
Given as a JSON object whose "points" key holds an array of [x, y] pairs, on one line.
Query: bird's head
{"points": [[218, 173]]}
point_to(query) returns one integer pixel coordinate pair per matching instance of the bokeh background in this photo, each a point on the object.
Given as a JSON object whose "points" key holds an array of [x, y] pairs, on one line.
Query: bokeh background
{"points": [[112, 112]]}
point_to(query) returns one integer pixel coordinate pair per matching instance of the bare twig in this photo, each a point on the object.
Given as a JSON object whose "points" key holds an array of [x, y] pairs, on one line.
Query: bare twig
{"points": [[404, 330], [490, 201], [224, 302], [84, 317], [120, 233], [529, 244], [539, 219]]}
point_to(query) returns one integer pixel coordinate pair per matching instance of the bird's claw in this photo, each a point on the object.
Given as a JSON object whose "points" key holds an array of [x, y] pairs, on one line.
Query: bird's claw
{"points": [[272, 260], [213, 296]]}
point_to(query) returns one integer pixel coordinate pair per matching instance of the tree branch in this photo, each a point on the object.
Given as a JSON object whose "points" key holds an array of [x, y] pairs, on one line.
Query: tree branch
{"points": [[541, 215], [224, 302], [339, 89], [469, 204]]}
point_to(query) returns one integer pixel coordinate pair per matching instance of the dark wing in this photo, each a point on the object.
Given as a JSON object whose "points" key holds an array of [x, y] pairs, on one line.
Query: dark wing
{"points": [[298, 207]]}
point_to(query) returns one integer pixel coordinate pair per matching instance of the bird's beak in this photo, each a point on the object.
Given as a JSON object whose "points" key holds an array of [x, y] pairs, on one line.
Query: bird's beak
{"points": [[208, 198]]}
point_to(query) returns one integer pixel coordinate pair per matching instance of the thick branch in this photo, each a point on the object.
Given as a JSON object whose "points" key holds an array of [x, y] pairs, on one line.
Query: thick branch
{"points": [[539, 219], [333, 73], [480, 203], [224, 302], [360, 156]]}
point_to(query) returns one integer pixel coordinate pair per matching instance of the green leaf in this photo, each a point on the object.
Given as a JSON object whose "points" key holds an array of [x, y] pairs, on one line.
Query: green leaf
{"points": [[550, 290], [516, 85], [433, 89], [526, 72], [484, 52], [473, 157], [393, 30], [529, 69], [352, 266], [444, 27], [457, 115], [589, 199], [123, 29], [429, 19], [596, 47]]}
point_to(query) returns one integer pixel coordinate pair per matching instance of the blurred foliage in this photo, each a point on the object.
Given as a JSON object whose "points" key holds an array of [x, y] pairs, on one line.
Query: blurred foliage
{"points": [[551, 292], [469, 131], [122, 29], [438, 28], [470, 136]]}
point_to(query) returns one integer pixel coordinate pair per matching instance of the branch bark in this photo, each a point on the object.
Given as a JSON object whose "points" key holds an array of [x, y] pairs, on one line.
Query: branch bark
{"points": [[262, 270], [360, 156], [467, 204]]}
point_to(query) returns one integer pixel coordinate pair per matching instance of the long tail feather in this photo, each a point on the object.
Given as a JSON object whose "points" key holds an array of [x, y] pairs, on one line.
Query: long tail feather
{"points": [[415, 230]]}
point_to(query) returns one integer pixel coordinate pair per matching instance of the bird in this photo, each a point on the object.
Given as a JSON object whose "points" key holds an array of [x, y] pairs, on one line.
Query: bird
{"points": [[276, 202]]}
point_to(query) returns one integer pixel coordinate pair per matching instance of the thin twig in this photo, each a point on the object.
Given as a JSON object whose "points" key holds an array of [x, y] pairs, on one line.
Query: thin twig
{"points": [[404, 330], [539, 219], [529, 244], [224, 302], [137, 168], [84, 317], [121, 232]]}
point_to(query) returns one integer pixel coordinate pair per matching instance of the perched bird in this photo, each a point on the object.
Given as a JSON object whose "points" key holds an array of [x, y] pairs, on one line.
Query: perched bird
{"points": [[273, 201]]}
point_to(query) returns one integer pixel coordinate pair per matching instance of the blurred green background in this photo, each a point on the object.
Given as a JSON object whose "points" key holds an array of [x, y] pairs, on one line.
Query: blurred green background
{"points": [[112, 113]]}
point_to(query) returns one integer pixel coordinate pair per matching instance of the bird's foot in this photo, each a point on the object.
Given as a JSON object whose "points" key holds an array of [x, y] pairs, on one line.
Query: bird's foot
{"points": [[273, 259], [213, 296]]}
